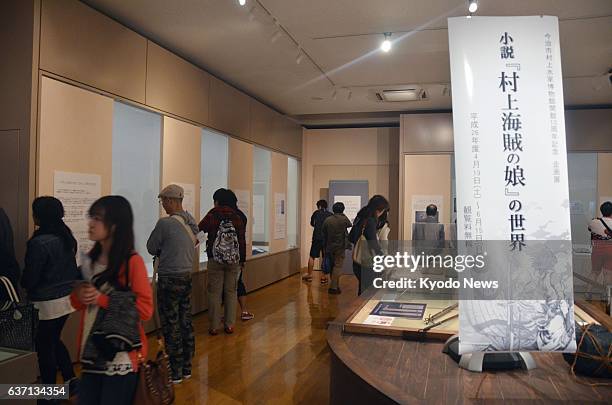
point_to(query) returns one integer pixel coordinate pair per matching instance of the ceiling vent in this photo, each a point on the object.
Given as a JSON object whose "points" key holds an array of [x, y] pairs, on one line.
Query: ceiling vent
{"points": [[410, 94]]}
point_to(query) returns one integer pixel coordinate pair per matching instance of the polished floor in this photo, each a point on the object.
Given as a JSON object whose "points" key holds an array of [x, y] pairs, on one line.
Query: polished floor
{"points": [[280, 357]]}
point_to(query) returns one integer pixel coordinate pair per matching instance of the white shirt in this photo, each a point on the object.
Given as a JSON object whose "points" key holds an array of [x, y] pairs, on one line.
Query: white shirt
{"points": [[53, 309], [597, 228]]}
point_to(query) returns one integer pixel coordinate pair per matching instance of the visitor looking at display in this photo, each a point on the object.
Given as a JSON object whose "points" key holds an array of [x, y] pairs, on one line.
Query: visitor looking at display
{"points": [[48, 278], [173, 242], [366, 224], [317, 245], [226, 250], [335, 236]]}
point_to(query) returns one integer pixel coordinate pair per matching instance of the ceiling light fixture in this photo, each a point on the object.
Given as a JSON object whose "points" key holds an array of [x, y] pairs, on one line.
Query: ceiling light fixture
{"points": [[334, 94], [385, 46], [300, 56], [350, 94], [242, 2], [472, 6], [275, 37]]}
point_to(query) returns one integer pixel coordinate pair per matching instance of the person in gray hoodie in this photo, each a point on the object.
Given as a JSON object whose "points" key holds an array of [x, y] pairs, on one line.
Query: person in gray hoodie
{"points": [[173, 242]]}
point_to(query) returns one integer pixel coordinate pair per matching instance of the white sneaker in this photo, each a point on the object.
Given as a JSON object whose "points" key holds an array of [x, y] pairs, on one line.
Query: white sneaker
{"points": [[180, 380]]}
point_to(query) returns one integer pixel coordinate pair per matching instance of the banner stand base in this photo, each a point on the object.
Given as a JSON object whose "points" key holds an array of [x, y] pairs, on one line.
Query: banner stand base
{"points": [[486, 361]]}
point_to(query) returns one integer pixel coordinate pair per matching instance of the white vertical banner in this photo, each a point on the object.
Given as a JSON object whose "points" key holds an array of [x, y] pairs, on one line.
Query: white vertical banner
{"points": [[511, 174]]}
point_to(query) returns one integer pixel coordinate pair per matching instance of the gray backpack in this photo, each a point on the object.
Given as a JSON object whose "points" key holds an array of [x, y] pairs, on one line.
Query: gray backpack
{"points": [[225, 247]]}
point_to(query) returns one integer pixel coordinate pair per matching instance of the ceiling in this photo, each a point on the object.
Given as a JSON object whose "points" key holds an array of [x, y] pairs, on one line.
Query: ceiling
{"points": [[342, 66]]}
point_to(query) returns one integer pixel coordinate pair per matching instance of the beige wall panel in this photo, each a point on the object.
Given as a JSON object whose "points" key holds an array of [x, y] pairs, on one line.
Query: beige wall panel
{"points": [[427, 133], [269, 269], [181, 156], [586, 131], [589, 130], [604, 176], [76, 129], [19, 34], [176, 86], [241, 176], [10, 176], [278, 184], [229, 109], [82, 44], [262, 123], [426, 175], [347, 154]]}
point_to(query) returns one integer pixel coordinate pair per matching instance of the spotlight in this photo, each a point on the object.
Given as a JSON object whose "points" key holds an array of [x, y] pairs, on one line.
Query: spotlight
{"points": [[275, 37], [472, 6], [299, 57], [242, 2], [385, 46], [350, 94], [334, 94]]}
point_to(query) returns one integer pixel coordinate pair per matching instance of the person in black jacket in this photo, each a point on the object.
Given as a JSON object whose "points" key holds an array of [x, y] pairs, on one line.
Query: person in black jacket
{"points": [[366, 223], [8, 264], [316, 248], [48, 278]]}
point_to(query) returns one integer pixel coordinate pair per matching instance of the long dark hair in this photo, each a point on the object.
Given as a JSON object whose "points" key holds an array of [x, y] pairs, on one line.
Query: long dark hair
{"points": [[116, 214], [48, 212], [233, 204], [376, 203]]}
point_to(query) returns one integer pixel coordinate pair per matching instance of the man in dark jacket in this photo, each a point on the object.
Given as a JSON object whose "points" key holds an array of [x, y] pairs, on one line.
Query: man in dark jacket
{"points": [[335, 235], [316, 248]]}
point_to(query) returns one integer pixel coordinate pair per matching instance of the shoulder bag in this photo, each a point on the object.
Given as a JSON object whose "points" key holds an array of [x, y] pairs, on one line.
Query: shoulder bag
{"points": [[18, 321], [154, 381], [361, 251]]}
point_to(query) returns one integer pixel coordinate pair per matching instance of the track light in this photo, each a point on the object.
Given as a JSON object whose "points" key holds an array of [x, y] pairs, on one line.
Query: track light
{"points": [[299, 58], [242, 2], [334, 94], [385, 46], [350, 94], [276, 36], [472, 6]]}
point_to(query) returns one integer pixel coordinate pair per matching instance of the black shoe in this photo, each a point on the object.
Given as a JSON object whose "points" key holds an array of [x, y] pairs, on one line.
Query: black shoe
{"points": [[334, 291], [186, 373], [73, 386]]}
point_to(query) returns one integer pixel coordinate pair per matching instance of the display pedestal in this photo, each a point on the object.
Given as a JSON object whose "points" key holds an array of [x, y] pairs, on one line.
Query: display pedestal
{"points": [[486, 361]]}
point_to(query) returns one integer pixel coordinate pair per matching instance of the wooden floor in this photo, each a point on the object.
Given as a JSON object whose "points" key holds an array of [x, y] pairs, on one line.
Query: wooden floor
{"points": [[280, 357]]}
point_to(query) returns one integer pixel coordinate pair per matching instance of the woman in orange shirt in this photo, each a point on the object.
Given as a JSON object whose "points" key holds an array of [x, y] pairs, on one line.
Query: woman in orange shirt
{"points": [[111, 227]]}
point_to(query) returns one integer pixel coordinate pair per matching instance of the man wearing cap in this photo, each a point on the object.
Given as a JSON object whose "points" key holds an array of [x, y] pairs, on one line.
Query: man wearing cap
{"points": [[173, 242]]}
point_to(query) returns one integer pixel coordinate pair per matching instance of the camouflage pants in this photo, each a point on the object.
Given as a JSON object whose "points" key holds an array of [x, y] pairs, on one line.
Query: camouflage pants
{"points": [[174, 304]]}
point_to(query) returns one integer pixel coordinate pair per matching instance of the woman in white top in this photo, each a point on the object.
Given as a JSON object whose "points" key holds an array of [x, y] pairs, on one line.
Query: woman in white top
{"points": [[601, 239], [49, 276]]}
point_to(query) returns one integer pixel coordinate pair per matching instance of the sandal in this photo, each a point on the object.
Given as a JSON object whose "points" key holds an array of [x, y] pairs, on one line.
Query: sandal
{"points": [[324, 281], [245, 316], [307, 277]]}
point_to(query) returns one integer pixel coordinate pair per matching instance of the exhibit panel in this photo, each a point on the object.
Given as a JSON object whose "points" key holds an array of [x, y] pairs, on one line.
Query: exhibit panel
{"points": [[241, 182], [278, 199], [427, 181], [136, 169], [262, 174]]}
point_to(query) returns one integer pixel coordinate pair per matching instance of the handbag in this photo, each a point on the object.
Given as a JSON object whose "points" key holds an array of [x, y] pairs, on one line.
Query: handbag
{"points": [[361, 252], [154, 384], [18, 321]]}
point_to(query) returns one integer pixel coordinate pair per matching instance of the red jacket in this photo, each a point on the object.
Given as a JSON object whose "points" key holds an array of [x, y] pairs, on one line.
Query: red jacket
{"points": [[141, 286]]}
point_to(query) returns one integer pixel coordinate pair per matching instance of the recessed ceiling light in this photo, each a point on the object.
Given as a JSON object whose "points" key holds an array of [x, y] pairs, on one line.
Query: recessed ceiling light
{"points": [[242, 2], [385, 46], [472, 6], [411, 94]]}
